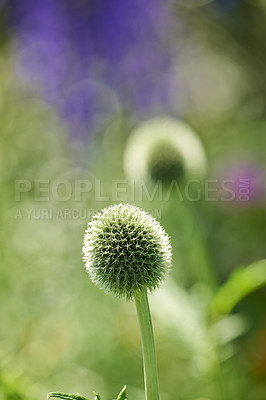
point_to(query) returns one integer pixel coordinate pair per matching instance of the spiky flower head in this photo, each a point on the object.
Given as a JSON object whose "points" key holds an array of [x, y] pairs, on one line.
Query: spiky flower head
{"points": [[126, 250]]}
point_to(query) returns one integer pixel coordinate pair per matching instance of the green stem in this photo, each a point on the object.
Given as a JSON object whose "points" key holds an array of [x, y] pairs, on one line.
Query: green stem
{"points": [[148, 347]]}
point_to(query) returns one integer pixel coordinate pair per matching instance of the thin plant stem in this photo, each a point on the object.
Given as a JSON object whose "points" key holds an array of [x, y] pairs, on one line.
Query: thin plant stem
{"points": [[148, 347]]}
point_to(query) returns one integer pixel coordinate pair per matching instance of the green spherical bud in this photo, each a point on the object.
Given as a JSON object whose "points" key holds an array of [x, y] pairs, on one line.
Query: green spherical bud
{"points": [[126, 250], [165, 163], [165, 149]]}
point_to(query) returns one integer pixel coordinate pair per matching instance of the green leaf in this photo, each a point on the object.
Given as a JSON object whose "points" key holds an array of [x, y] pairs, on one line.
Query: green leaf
{"points": [[241, 282], [67, 396], [122, 395]]}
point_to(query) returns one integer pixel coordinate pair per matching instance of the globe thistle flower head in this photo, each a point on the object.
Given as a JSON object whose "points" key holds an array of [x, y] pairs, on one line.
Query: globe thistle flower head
{"points": [[126, 251], [165, 163], [164, 148]]}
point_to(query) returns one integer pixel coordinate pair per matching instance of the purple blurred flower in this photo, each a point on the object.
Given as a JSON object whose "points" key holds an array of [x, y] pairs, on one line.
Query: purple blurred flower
{"points": [[243, 184], [118, 48]]}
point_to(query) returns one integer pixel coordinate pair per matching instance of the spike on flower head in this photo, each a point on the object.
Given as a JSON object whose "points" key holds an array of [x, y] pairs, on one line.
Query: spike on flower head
{"points": [[126, 250]]}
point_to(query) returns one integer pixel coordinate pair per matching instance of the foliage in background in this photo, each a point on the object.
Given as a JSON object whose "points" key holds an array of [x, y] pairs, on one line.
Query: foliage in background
{"points": [[57, 330]]}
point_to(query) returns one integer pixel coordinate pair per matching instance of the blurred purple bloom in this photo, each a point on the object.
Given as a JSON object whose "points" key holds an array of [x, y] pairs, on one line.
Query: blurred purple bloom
{"points": [[243, 183], [116, 47]]}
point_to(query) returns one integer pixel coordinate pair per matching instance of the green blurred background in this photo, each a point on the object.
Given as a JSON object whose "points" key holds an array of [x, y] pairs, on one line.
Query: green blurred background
{"points": [[59, 165]]}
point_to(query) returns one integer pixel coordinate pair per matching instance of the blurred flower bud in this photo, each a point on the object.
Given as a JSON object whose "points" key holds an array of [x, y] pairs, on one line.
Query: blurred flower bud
{"points": [[164, 149]]}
